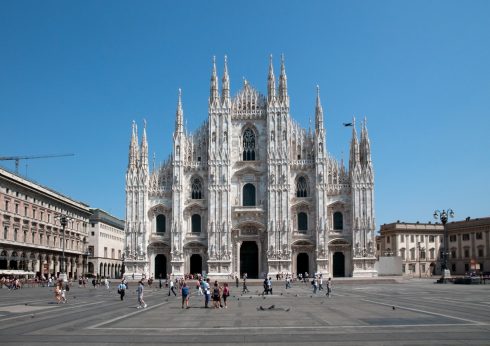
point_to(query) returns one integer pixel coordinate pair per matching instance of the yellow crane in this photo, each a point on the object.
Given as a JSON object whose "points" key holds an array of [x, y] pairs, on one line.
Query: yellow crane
{"points": [[18, 158]]}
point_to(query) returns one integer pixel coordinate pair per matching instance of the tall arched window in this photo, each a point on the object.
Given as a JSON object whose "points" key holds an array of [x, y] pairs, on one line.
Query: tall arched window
{"points": [[301, 187], [249, 195], [196, 223], [161, 223], [338, 220], [196, 188], [302, 222], [248, 145]]}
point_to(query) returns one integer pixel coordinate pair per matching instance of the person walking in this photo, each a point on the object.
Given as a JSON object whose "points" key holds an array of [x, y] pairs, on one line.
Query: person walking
{"points": [[185, 295], [314, 284], [207, 292], [269, 286], [329, 287], [121, 289], [140, 290], [172, 288], [226, 293], [320, 282], [216, 296], [245, 289]]}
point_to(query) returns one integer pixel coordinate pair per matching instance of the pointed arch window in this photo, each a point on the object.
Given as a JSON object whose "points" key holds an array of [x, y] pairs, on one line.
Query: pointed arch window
{"points": [[196, 223], [301, 187], [161, 223], [302, 222], [249, 195], [338, 221], [248, 145], [196, 188]]}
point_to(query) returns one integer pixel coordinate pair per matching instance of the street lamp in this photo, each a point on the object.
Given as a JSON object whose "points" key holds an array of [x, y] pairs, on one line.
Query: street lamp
{"points": [[443, 216], [64, 222], [420, 248]]}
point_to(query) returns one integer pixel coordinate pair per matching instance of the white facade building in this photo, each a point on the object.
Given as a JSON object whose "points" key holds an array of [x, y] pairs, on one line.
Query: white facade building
{"points": [[250, 192], [106, 244]]}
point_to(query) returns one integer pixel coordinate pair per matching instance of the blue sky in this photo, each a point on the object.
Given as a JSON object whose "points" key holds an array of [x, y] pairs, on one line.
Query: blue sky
{"points": [[74, 74]]}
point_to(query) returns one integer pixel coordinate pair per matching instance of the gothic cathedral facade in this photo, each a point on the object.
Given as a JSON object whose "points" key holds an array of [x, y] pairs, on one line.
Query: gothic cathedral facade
{"points": [[251, 192]]}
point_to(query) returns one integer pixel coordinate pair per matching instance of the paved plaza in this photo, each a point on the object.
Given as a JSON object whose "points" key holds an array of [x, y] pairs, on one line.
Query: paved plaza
{"points": [[401, 312]]}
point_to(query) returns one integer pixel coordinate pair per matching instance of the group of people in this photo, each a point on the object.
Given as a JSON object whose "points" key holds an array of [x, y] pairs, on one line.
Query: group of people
{"points": [[317, 283]]}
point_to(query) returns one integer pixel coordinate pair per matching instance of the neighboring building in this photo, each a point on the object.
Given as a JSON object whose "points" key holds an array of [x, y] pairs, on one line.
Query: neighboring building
{"points": [[106, 244], [416, 243], [250, 192], [419, 245], [31, 237]]}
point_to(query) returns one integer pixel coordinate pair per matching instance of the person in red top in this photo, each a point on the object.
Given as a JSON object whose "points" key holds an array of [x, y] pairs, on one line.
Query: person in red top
{"points": [[226, 293]]}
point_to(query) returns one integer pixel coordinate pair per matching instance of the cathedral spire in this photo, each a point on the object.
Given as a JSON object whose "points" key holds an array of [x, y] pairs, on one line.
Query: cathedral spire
{"points": [[354, 148], [271, 82], [318, 111], [365, 145], [133, 147], [213, 92], [179, 117], [225, 91], [283, 83], [144, 148]]}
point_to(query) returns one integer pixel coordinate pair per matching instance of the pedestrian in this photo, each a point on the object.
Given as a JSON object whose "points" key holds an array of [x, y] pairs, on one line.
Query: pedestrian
{"points": [[121, 289], [269, 286], [140, 290], [237, 281], [216, 295], [266, 287], [329, 287], [226, 293], [106, 283], [185, 295], [320, 283], [57, 293], [199, 287], [172, 288], [207, 292], [314, 284], [245, 289]]}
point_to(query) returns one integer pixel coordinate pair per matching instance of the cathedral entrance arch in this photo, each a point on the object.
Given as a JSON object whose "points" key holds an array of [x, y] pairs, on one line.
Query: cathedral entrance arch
{"points": [[160, 266], [249, 259], [196, 264], [302, 263], [338, 264]]}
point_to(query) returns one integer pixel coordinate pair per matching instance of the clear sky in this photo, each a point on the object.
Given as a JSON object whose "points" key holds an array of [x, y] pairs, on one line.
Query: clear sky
{"points": [[74, 75]]}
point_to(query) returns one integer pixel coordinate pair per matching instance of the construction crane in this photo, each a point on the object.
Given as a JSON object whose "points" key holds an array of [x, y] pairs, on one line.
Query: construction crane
{"points": [[18, 158]]}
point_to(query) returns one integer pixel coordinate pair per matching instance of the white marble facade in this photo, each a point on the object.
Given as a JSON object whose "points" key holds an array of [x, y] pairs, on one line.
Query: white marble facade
{"points": [[250, 191]]}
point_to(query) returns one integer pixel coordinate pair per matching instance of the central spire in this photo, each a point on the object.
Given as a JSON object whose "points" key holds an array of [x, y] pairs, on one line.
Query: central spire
{"points": [[318, 111], [225, 91], [271, 82], [213, 90], [283, 83], [179, 116]]}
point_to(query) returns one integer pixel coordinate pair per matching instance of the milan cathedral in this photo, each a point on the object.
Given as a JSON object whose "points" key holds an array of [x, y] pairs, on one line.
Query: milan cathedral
{"points": [[250, 191]]}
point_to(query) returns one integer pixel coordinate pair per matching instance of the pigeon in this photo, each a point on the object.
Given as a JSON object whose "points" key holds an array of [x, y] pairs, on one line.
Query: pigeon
{"points": [[263, 297], [393, 307], [287, 309], [347, 124], [261, 308], [271, 307]]}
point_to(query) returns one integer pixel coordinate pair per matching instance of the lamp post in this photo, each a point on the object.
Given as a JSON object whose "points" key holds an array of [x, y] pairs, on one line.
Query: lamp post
{"points": [[420, 251], [443, 216], [64, 222]]}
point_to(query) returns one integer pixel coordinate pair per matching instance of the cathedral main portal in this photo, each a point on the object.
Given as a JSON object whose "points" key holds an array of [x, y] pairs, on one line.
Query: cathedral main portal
{"points": [[249, 259]]}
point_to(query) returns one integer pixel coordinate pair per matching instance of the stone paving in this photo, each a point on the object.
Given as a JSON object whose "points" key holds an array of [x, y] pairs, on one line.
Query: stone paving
{"points": [[413, 312]]}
